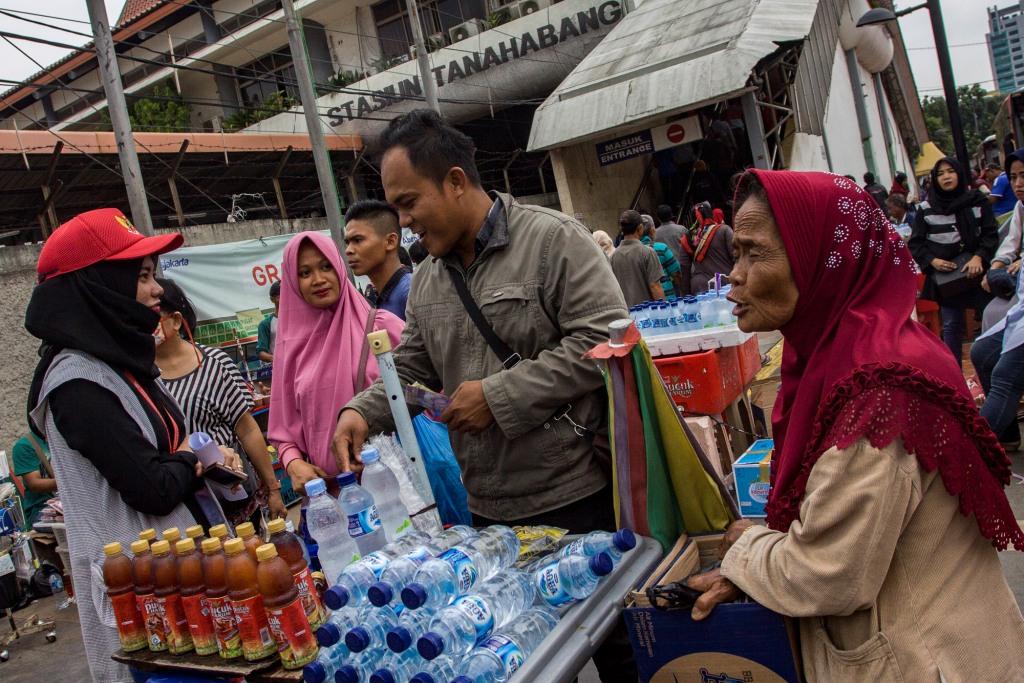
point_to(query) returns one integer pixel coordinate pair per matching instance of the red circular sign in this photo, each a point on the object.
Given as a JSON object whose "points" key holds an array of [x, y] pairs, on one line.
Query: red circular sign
{"points": [[675, 133]]}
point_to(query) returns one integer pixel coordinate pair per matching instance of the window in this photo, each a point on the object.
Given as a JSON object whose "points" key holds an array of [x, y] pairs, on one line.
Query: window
{"points": [[395, 32], [276, 76]]}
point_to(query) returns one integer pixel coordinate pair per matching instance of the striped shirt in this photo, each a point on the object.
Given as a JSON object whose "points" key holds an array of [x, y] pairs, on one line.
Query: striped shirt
{"points": [[213, 397]]}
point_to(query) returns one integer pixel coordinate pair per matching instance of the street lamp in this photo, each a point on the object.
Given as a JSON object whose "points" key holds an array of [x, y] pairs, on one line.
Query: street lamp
{"points": [[882, 15]]}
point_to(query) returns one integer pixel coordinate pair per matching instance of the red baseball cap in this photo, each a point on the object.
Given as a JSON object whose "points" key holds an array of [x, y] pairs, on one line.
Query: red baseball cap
{"points": [[99, 235]]}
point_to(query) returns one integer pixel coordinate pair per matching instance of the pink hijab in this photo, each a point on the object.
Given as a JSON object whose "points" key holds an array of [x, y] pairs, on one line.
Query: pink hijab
{"points": [[316, 357]]}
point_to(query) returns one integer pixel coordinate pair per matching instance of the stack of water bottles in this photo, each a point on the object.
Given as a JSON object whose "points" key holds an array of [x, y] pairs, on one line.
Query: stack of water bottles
{"points": [[439, 610], [688, 314]]}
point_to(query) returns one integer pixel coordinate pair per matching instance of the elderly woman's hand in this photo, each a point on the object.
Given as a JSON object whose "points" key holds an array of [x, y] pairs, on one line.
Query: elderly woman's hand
{"points": [[733, 533], [715, 588]]}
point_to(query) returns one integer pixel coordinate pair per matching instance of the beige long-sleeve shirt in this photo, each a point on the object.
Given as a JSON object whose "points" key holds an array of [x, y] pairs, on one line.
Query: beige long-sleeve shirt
{"points": [[888, 580]]}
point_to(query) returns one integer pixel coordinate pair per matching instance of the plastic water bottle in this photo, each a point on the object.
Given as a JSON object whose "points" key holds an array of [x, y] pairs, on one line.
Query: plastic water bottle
{"points": [[689, 313], [643, 320], [397, 667], [372, 631], [455, 629], [326, 524], [501, 655], [572, 578], [725, 316], [323, 668], [351, 586], [401, 570], [363, 519], [440, 670], [381, 483], [678, 310], [358, 668], [459, 569], [338, 624], [411, 626], [602, 542]]}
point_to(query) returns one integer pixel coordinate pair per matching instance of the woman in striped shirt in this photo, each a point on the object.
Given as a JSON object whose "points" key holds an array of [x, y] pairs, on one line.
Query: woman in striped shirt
{"points": [[954, 229], [215, 399]]}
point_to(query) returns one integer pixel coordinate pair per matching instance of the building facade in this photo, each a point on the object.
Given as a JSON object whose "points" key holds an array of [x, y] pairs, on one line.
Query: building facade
{"points": [[1005, 46]]}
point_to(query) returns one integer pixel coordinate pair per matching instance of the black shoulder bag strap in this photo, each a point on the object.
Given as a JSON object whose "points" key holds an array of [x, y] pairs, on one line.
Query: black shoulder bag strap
{"points": [[509, 358]]}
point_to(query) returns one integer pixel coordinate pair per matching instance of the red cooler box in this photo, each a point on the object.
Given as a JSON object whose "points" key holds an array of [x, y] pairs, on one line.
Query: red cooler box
{"points": [[705, 382], [750, 360]]}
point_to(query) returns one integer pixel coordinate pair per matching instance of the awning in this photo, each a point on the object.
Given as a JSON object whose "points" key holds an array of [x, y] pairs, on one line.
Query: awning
{"points": [[665, 57], [926, 160]]}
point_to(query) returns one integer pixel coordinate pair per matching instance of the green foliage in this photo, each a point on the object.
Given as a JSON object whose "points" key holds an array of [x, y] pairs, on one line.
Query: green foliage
{"points": [[160, 109], [978, 110], [346, 77], [385, 63], [272, 106]]}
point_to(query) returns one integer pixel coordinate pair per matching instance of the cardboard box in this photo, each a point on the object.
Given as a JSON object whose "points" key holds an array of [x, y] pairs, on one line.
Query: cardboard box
{"points": [[738, 643], [753, 477]]}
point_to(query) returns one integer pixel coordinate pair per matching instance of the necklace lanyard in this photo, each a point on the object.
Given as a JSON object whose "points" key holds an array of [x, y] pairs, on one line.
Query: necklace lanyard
{"points": [[172, 441]]}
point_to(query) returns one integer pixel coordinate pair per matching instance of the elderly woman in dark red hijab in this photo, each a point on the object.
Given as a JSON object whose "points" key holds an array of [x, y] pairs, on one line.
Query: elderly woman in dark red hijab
{"points": [[887, 502]]}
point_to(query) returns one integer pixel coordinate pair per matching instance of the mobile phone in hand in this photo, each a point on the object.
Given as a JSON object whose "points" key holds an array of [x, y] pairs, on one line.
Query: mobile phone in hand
{"points": [[224, 475]]}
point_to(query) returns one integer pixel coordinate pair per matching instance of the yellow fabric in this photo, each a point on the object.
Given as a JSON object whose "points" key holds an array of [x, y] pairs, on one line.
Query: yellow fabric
{"points": [[926, 160]]}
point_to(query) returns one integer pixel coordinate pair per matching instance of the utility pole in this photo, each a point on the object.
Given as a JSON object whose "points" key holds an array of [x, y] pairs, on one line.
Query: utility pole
{"points": [[111, 77], [422, 58], [949, 85], [321, 157]]}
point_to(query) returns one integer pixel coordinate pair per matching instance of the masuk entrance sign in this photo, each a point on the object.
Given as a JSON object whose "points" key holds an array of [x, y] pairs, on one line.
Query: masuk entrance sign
{"points": [[647, 141]]}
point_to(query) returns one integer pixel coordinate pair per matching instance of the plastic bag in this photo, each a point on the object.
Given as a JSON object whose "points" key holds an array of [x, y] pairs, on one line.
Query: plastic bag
{"points": [[442, 470], [424, 518], [537, 541]]}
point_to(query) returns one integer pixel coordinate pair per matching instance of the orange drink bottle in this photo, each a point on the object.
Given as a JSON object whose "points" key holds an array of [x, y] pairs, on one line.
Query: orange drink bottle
{"points": [[247, 603], [149, 535], [165, 587], [117, 575], [193, 597], [289, 548], [229, 642], [149, 607], [220, 531], [296, 644]]}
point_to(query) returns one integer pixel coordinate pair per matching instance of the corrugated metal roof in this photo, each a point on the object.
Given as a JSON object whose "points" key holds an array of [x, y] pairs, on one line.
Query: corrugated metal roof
{"points": [[664, 57]]}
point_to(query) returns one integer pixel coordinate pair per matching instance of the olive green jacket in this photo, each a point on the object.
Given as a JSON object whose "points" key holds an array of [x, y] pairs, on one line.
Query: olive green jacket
{"points": [[549, 293]]}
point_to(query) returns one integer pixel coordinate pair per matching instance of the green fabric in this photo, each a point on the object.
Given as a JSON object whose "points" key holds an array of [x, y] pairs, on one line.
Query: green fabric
{"points": [[25, 461], [263, 334], [669, 265]]}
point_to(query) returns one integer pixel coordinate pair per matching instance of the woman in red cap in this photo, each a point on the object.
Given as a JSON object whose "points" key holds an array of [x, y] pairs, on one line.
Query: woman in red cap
{"points": [[117, 439], [887, 504]]}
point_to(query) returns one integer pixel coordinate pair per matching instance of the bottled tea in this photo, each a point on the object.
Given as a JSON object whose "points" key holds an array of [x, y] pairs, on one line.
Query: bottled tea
{"points": [[117, 575], [247, 532], [296, 644], [195, 532], [149, 607], [149, 535], [247, 603], [229, 642], [193, 597], [172, 535], [165, 587], [289, 548], [220, 531]]}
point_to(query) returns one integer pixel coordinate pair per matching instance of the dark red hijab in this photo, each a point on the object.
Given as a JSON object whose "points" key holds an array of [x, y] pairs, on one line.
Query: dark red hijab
{"points": [[855, 364]]}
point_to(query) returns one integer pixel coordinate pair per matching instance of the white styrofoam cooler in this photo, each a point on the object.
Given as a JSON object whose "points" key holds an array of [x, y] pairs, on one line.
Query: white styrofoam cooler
{"points": [[698, 340]]}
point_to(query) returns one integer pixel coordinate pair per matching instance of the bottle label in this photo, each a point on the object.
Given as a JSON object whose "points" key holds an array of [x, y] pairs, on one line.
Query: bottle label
{"points": [[315, 612], [506, 649], [462, 565], [295, 642], [153, 615], [257, 641], [574, 548], [200, 623], [229, 640], [477, 610], [377, 562], [418, 556], [130, 626], [179, 640], [366, 521], [549, 585]]}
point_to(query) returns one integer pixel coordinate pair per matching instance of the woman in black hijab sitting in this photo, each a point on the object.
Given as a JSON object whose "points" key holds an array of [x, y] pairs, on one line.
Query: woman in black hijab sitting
{"points": [[954, 233], [117, 439]]}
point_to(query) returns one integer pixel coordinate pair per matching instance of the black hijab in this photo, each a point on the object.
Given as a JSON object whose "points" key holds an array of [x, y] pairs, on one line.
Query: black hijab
{"points": [[960, 201], [94, 310]]}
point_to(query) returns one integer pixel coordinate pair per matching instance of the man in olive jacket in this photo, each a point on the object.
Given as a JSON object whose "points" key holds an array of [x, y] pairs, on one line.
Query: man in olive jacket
{"points": [[529, 432]]}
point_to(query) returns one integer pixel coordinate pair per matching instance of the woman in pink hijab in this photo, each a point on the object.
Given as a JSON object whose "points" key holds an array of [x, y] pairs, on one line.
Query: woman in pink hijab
{"points": [[321, 358]]}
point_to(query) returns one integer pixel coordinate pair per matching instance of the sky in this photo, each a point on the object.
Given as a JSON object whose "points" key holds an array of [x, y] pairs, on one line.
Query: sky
{"points": [[966, 26]]}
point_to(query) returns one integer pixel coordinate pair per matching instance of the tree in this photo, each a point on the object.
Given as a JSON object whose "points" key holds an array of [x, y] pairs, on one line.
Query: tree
{"points": [[978, 110], [159, 110]]}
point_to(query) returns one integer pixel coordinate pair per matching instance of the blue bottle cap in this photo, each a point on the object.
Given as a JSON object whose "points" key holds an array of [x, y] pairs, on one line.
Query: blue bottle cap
{"points": [[462, 679], [414, 596], [315, 487], [369, 454], [346, 479], [328, 634], [346, 673], [423, 677], [314, 673], [624, 539], [336, 597], [382, 676], [380, 594], [601, 564], [399, 639], [358, 639], [430, 645]]}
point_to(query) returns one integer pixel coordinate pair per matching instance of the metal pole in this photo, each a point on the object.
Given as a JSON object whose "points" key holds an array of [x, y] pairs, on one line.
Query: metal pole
{"points": [[422, 59], [949, 85], [111, 76], [324, 172]]}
